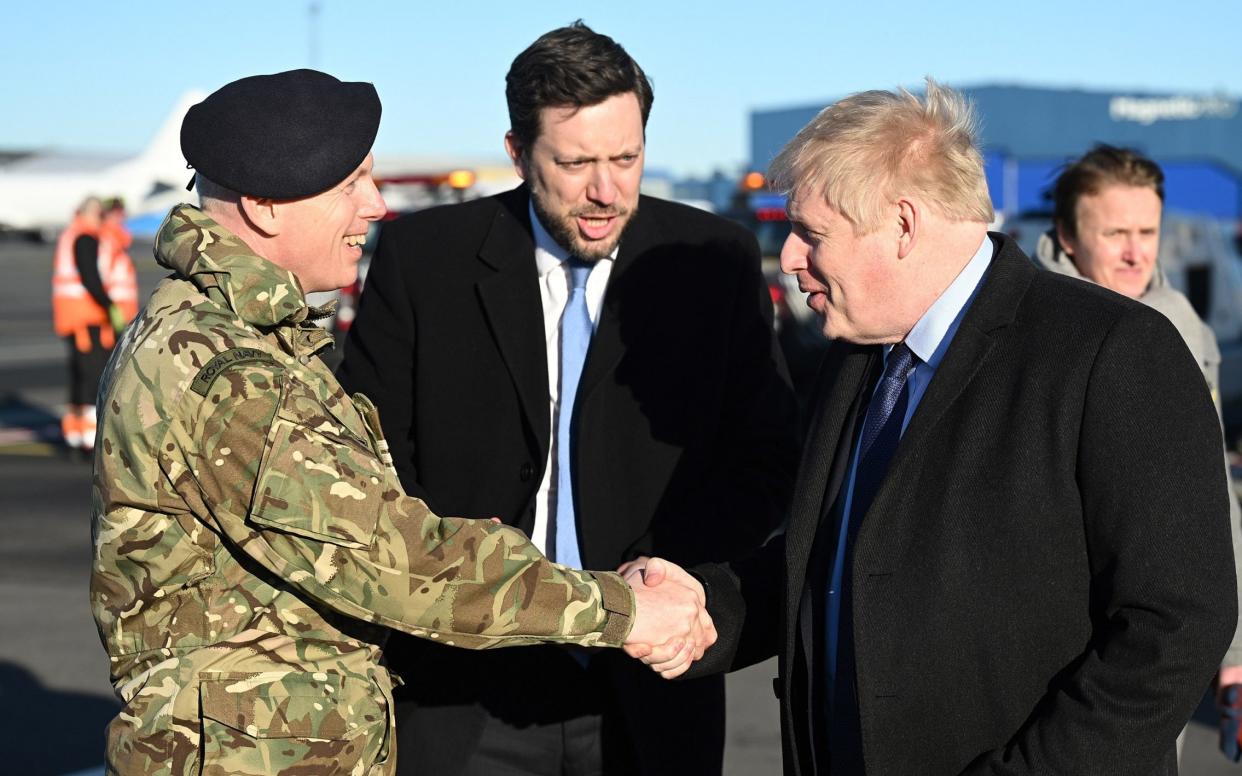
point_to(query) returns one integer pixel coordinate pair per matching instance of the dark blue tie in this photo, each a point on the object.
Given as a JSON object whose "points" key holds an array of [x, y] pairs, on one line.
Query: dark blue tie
{"points": [[881, 432], [576, 333]]}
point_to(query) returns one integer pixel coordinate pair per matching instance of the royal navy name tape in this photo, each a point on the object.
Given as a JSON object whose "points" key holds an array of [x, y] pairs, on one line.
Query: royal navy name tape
{"points": [[229, 358]]}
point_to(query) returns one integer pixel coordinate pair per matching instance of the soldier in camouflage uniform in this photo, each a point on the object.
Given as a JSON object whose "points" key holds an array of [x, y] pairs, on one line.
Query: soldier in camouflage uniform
{"points": [[252, 541]]}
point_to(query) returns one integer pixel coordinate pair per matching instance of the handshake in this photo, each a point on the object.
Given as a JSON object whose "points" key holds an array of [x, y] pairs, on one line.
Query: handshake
{"points": [[672, 628]]}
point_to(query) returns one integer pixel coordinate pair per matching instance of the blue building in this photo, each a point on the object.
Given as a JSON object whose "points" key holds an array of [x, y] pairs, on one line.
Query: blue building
{"points": [[1028, 133]]}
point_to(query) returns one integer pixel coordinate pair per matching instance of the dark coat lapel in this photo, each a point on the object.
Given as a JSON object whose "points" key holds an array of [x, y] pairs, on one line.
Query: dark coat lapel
{"points": [[510, 299], [993, 308], [629, 300], [842, 378], [824, 460]]}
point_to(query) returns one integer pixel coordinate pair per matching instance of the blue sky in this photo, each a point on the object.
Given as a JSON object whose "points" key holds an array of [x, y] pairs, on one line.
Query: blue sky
{"points": [[78, 77]]}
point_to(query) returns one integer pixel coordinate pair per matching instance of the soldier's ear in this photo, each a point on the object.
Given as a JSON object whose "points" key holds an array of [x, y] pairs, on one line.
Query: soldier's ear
{"points": [[262, 214]]}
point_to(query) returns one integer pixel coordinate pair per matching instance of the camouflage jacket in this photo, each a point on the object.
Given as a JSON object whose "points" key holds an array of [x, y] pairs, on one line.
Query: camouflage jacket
{"points": [[253, 544]]}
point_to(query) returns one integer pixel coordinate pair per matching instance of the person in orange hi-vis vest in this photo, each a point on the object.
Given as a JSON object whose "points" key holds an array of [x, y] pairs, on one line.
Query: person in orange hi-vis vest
{"points": [[90, 283], [116, 267]]}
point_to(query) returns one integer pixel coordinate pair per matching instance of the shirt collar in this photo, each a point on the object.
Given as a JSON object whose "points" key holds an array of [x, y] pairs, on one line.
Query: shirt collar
{"points": [[931, 335], [549, 254]]}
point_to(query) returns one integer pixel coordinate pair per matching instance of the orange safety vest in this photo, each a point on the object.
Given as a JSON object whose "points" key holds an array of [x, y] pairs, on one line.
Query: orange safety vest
{"points": [[73, 308], [117, 268]]}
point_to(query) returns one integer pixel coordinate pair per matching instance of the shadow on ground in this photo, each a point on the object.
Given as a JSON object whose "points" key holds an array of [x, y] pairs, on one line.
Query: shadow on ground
{"points": [[39, 425], [48, 732]]}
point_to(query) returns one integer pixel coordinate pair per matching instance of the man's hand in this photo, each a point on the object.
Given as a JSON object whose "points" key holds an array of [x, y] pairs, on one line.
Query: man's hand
{"points": [[671, 626]]}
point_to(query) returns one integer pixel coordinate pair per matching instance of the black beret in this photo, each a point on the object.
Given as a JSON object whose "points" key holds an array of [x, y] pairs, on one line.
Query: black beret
{"points": [[282, 136]]}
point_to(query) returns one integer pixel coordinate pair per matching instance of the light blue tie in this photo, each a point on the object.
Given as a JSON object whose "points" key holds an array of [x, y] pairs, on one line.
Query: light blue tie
{"points": [[576, 332]]}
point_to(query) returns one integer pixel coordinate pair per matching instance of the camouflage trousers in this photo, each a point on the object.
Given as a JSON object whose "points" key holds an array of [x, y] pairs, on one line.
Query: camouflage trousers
{"points": [[219, 712]]}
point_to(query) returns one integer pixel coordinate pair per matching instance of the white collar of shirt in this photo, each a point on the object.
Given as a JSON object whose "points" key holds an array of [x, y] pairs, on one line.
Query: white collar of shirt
{"points": [[930, 337]]}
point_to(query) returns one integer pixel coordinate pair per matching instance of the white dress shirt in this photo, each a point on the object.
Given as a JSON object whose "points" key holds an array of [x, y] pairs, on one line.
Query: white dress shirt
{"points": [[550, 261]]}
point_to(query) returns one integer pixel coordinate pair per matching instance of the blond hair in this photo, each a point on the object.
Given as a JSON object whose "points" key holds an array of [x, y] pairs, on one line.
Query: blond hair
{"points": [[869, 148]]}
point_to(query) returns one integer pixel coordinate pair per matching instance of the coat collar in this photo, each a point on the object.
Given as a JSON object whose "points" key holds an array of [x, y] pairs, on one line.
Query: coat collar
{"points": [[843, 377], [509, 239], [509, 295]]}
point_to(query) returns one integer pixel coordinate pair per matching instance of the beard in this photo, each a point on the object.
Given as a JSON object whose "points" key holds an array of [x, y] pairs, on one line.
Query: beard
{"points": [[564, 229]]}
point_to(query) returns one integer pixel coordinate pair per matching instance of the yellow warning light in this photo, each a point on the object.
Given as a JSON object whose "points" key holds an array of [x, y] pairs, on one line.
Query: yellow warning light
{"points": [[461, 179], [753, 181]]}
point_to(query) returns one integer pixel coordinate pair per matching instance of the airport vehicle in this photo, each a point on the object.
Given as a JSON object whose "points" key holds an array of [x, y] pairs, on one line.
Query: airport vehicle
{"points": [[39, 192]]}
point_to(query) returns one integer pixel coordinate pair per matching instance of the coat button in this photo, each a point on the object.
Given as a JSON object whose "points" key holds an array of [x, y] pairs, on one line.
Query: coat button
{"points": [[526, 472]]}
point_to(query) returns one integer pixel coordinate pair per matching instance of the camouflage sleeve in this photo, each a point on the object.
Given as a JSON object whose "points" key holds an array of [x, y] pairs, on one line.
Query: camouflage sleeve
{"points": [[291, 486]]}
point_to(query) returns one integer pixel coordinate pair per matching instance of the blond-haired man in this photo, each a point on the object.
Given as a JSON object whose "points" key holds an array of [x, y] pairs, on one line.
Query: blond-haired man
{"points": [[982, 573]]}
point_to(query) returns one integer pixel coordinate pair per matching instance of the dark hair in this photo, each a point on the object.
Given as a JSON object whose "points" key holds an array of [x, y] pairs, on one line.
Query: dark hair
{"points": [[1104, 165], [571, 66]]}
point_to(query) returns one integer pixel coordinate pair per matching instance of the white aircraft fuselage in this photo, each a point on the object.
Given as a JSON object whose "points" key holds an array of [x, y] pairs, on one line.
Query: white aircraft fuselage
{"points": [[40, 193]]}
